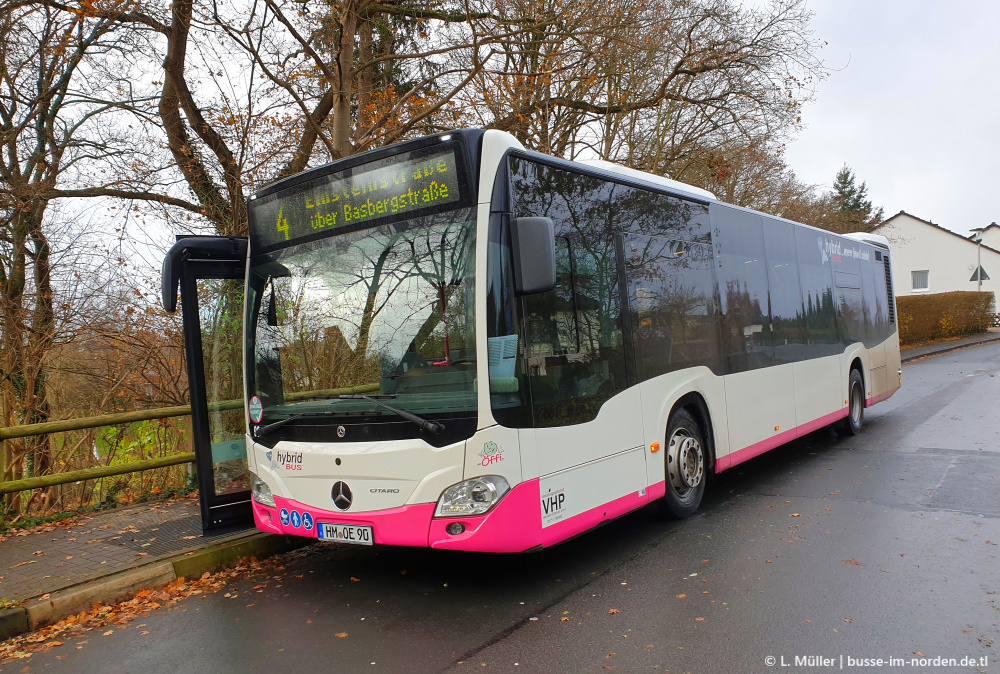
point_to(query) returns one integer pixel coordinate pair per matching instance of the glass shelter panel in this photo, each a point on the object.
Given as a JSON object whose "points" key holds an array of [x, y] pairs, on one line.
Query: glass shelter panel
{"points": [[221, 309]]}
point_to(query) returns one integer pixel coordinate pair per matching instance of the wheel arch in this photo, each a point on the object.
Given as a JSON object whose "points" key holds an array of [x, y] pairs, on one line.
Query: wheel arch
{"points": [[695, 404], [856, 364]]}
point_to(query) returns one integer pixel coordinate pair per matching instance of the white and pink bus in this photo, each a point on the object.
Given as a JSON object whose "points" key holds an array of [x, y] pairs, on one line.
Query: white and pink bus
{"points": [[457, 343]]}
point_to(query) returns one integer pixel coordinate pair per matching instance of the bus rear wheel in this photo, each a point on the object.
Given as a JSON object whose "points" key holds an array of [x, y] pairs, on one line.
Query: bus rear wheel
{"points": [[685, 459], [855, 405]]}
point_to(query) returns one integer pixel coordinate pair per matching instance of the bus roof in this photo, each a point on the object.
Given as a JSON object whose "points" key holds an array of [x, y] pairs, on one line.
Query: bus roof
{"points": [[634, 174]]}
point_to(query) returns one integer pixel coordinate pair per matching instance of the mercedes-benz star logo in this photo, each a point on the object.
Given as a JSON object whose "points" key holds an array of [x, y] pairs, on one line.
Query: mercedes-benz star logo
{"points": [[341, 431], [341, 494]]}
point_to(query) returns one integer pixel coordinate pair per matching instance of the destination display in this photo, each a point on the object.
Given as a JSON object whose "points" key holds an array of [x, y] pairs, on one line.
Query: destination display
{"points": [[409, 184]]}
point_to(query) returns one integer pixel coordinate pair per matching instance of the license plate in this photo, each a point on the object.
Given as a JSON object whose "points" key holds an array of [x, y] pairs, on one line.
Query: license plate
{"points": [[346, 533]]}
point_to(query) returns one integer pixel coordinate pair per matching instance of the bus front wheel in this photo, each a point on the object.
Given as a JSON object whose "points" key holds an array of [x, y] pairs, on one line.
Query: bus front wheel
{"points": [[855, 405], [685, 459]]}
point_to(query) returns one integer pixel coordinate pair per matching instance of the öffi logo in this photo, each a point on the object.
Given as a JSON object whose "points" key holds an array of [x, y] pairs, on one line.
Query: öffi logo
{"points": [[492, 453]]}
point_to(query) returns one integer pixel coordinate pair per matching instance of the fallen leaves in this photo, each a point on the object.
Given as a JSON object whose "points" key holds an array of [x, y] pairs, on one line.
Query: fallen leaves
{"points": [[851, 561], [119, 615], [795, 515], [699, 620], [681, 596], [614, 611], [30, 561], [341, 635], [564, 619]]}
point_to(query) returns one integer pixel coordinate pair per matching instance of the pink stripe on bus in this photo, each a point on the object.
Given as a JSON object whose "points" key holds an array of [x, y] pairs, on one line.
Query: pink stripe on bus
{"points": [[585, 521], [879, 398], [759, 448]]}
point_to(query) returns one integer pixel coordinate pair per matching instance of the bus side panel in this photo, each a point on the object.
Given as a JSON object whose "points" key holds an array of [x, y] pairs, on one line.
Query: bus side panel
{"points": [[659, 395], [820, 387], [584, 490], [761, 406], [616, 427]]}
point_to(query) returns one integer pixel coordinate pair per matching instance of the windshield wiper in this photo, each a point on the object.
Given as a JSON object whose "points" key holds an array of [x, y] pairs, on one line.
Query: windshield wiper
{"points": [[263, 430], [429, 426]]}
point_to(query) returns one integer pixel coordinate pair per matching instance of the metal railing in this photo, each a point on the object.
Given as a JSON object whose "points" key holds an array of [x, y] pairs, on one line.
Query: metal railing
{"points": [[117, 419]]}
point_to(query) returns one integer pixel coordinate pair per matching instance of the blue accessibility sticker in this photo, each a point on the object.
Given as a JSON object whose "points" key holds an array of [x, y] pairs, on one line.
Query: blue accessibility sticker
{"points": [[296, 519], [284, 516], [307, 521]]}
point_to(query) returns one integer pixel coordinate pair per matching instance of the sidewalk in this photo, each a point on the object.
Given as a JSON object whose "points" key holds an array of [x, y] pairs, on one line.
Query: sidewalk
{"points": [[102, 557], [912, 353]]}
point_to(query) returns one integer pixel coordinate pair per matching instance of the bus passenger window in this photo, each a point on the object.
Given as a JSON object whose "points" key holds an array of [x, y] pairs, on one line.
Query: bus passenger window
{"points": [[671, 289], [742, 270], [575, 352]]}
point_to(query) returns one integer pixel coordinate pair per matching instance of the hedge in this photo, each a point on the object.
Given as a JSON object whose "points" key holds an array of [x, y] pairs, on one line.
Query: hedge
{"points": [[922, 318]]}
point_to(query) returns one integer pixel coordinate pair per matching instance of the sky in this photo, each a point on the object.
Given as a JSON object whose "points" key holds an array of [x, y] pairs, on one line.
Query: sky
{"points": [[912, 105]]}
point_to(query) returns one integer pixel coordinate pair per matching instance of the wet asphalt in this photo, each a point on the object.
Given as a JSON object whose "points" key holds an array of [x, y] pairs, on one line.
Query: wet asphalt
{"points": [[884, 545]]}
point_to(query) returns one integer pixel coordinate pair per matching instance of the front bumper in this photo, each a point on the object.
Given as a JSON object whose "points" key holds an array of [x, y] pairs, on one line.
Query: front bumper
{"points": [[514, 524]]}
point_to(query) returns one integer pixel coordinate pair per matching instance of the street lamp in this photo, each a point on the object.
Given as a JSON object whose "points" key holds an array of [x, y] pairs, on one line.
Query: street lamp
{"points": [[977, 236]]}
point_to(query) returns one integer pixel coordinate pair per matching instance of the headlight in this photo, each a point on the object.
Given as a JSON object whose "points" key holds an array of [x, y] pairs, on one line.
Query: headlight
{"points": [[471, 497], [261, 492]]}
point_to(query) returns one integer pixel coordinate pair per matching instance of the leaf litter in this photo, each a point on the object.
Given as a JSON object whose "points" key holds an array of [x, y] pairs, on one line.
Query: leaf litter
{"points": [[112, 615]]}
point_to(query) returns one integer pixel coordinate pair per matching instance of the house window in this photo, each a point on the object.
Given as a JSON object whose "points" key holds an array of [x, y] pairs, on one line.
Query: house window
{"points": [[920, 280]]}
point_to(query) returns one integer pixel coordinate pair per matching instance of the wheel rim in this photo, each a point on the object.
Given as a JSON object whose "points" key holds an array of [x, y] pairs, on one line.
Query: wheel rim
{"points": [[685, 462], [856, 404]]}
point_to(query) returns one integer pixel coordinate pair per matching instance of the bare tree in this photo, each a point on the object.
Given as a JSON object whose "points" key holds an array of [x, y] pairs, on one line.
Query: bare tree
{"points": [[652, 83]]}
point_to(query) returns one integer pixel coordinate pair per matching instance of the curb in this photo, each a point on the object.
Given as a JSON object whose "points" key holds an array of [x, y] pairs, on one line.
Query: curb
{"points": [[38, 612], [905, 359]]}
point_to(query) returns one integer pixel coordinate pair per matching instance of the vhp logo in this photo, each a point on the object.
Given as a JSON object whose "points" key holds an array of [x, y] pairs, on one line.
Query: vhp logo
{"points": [[553, 503]]}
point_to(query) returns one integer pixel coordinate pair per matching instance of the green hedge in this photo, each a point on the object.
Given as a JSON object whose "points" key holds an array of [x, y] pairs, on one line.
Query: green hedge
{"points": [[927, 317]]}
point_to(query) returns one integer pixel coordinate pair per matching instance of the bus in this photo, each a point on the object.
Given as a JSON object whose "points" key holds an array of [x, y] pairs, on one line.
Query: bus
{"points": [[456, 343]]}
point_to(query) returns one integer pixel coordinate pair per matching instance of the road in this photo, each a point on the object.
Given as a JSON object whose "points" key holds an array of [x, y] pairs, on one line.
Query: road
{"points": [[883, 545]]}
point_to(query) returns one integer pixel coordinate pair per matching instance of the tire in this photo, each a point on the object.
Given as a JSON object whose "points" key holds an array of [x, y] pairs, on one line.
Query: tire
{"points": [[856, 406], [685, 461]]}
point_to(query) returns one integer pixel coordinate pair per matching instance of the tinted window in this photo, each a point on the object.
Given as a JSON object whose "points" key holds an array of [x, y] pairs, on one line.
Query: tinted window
{"points": [[787, 314], [869, 300], [639, 211], [508, 391], [816, 252], [671, 288], [742, 271], [848, 284], [575, 352]]}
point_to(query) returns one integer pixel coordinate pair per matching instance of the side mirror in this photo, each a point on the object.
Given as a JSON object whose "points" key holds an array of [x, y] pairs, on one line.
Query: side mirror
{"points": [[534, 244]]}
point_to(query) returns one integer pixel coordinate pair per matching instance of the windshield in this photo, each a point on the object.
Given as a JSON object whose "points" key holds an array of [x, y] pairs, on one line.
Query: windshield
{"points": [[385, 311]]}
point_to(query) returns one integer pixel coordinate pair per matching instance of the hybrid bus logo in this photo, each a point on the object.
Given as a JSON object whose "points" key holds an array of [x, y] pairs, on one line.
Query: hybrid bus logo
{"points": [[290, 460], [492, 453]]}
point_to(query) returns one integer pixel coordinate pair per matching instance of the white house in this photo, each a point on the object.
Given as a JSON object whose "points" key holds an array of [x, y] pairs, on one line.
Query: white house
{"points": [[927, 258], [991, 235]]}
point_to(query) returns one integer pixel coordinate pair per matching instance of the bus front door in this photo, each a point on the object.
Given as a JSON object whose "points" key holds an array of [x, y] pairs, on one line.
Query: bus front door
{"points": [[210, 273]]}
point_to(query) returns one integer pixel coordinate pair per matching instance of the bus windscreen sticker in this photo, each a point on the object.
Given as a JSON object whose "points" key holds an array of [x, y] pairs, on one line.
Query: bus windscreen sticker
{"points": [[256, 409]]}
